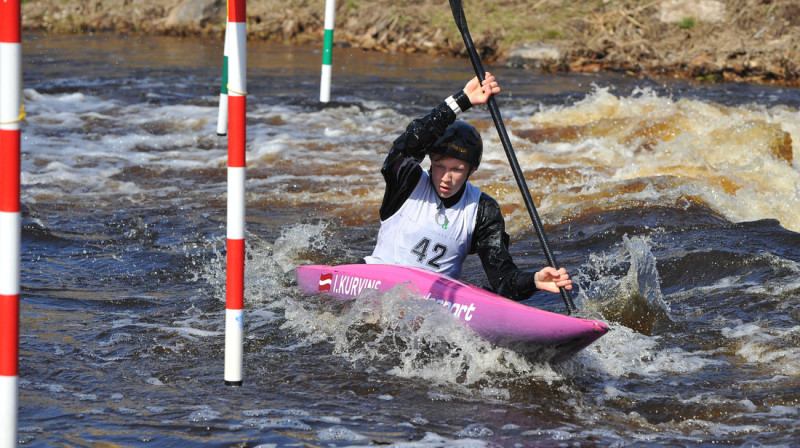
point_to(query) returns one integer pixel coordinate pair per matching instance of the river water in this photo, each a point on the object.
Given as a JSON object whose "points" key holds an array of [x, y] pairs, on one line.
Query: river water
{"points": [[674, 206]]}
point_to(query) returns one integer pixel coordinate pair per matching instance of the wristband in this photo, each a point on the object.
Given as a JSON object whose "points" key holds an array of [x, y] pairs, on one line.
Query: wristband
{"points": [[451, 102], [462, 100], [459, 102]]}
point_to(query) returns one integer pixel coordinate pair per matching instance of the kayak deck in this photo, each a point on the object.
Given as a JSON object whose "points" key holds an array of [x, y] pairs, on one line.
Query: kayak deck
{"points": [[540, 334]]}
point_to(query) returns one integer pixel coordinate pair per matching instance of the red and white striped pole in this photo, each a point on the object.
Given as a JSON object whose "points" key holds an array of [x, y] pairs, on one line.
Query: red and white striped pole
{"points": [[11, 114], [237, 102]]}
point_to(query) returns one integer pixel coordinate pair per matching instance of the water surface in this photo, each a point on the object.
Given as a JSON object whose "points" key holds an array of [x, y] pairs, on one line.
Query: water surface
{"points": [[674, 205]]}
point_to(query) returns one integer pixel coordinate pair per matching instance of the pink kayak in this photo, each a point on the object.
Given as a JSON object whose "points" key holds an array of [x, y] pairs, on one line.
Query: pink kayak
{"points": [[543, 335]]}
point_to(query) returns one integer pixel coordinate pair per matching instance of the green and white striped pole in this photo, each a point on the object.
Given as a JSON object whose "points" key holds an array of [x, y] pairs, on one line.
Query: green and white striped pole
{"points": [[327, 52], [222, 117]]}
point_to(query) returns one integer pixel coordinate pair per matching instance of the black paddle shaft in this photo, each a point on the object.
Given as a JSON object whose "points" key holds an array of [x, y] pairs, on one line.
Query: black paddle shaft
{"points": [[461, 23]]}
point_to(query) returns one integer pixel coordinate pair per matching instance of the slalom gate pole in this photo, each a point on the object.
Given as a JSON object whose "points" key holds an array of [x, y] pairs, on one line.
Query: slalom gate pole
{"points": [[327, 52], [11, 114], [237, 102], [222, 116]]}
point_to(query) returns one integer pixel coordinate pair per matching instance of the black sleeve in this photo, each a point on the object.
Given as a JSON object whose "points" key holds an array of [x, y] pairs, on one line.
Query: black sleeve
{"points": [[401, 168], [490, 241]]}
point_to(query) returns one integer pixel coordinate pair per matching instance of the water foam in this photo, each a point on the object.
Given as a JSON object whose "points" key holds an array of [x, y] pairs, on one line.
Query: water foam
{"points": [[740, 160]]}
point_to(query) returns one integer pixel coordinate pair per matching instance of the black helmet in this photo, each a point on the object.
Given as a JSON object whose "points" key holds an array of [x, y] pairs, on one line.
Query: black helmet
{"points": [[461, 141]]}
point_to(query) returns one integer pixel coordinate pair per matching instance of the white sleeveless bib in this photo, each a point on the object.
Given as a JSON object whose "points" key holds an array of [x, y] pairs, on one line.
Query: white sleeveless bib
{"points": [[424, 234]]}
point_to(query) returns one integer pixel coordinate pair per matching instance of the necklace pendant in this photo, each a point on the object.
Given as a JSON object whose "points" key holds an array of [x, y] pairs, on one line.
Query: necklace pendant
{"points": [[441, 214]]}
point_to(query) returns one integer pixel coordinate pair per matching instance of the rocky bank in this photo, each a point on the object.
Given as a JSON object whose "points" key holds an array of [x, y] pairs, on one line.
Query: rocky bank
{"points": [[705, 40]]}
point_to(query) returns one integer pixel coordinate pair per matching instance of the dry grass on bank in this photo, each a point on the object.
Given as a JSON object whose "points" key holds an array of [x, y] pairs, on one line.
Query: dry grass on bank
{"points": [[756, 41]]}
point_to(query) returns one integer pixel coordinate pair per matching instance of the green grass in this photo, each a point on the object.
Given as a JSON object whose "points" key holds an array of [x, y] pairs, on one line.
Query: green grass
{"points": [[687, 23]]}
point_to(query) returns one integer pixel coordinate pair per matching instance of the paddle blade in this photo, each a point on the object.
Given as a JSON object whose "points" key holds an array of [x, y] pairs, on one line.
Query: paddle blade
{"points": [[458, 14], [461, 24]]}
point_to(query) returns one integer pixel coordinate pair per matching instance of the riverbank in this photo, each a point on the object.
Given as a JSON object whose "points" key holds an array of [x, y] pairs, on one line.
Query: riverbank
{"points": [[704, 40]]}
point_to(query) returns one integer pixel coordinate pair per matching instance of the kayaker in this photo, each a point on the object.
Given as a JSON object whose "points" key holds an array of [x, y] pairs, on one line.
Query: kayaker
{"points": [[434, 219]]}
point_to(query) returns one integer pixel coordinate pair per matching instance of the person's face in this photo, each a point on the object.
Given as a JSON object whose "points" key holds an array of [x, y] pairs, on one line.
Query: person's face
{"points": [[449, 175]]}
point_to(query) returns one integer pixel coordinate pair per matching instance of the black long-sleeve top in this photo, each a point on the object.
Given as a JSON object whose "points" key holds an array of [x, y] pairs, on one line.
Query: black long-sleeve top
{"points": [[402, 171]]}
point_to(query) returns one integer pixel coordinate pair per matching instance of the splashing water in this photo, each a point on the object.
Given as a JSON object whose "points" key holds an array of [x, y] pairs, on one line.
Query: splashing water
{"points": [[633, 299], [409, 337]]}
